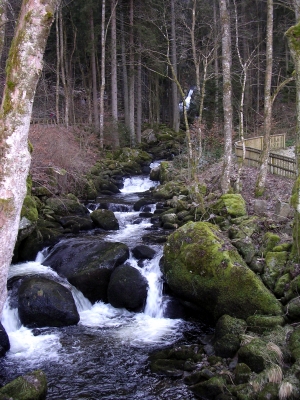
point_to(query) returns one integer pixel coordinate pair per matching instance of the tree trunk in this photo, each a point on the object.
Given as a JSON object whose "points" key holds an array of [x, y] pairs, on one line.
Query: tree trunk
{"points": [[3, 20], [293, 35], [227, 94], [94, 75], [114, 83], [23, 69], [102, 86], [57, 109], [175, 102], [125, 74], [139, 96], [131, 77], [261, 179]]}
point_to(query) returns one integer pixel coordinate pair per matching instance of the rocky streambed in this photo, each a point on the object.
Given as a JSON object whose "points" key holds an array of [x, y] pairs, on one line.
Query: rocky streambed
{"points": [[218, 264]]}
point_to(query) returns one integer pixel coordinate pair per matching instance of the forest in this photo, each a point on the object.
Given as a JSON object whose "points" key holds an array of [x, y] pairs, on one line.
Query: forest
{"points": [[123, 65]]}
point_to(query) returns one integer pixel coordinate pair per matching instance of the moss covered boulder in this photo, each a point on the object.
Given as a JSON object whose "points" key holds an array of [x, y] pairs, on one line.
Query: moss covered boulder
{"points": [[32, 386], [201, 266], [66, 206], [230, 204], [105, 219]]}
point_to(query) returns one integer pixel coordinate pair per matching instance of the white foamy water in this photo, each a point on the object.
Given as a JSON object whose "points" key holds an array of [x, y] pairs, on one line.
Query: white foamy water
{"points": [[134, 329], [24, 344], [137, 184]]}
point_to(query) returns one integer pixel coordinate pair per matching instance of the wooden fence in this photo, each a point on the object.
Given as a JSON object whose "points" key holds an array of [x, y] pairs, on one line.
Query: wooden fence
{"points": [[278, 164]]}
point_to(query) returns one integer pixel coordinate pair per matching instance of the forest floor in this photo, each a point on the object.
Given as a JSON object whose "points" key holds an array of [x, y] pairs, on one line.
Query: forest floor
{"points": [[76, 151]]}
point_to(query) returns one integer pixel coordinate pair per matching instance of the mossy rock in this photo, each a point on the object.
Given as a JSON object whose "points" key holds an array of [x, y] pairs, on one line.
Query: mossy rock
{"points": [[66, 206], [230, 204], [274, 267], [283, 247], [269, 392], [32, 386], [41, 191], [293, 289], [229, 325], [292, 309], [257, 355], [168, 190], [201, 266], [167, 173], [209, 389], [270, 240], [282, 285], [29, 209], [243, 227], [170, 368], [261, 323], [227, 346], [279, 335], [242, 373], [105, 219], [246, 248]]}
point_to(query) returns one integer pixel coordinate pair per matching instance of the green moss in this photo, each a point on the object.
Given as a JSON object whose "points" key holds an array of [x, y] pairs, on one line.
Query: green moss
{"points": [[270, 240], [293, 35], [202, 266], [230, 204], [32, 386], [29, 209]]}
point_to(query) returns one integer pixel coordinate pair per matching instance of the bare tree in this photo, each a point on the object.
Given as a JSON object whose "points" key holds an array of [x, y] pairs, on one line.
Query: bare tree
{"points": [[24, 66], [261, 179], [227, 93], [175, 108], [102, 86], [114, 83]]}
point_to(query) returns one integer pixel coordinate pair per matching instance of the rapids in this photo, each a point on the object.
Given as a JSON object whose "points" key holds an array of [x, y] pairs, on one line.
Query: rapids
{"points": [[105, 355]]}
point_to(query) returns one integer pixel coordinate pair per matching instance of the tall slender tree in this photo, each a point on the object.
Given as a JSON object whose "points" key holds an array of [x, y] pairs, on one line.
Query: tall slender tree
{"points": [[227, 93], [261, 179]]}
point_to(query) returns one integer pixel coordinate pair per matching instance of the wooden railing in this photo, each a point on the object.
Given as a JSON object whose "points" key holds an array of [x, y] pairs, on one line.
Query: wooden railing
{"points": [[278, 164]]}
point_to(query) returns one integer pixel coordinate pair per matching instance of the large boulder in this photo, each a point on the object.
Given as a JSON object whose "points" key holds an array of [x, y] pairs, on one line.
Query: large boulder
{"points": [[201, 266], [105, 219], [32, 386], [4, 341], [127, 288], [43, 302], [88, 264], [65, 206]]}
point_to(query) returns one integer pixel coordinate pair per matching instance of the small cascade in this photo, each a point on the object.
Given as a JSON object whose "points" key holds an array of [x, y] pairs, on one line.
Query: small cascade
{"points": [[137, 184], [109, 347]]}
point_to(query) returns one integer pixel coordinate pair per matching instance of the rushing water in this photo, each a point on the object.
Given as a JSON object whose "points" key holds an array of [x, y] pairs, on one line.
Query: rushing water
{"points": [[105, 355]]}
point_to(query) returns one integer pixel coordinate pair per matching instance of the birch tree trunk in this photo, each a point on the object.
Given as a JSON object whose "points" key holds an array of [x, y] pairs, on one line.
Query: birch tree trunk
{"points": [[227, 94], [261, 179], [23, 69]]}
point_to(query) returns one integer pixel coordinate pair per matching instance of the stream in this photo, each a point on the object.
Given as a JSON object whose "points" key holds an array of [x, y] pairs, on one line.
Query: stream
{"points": [[105, 355]]}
